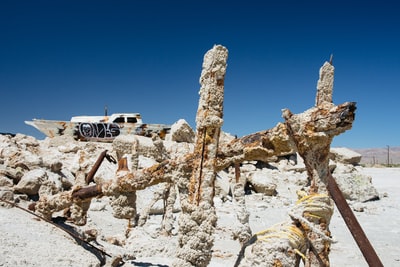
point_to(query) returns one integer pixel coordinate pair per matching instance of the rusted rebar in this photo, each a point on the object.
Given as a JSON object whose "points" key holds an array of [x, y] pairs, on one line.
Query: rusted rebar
{"points": [[72, 233], [237, 172], [96, 166], [352, 223], [198, 211], [87, 192]]}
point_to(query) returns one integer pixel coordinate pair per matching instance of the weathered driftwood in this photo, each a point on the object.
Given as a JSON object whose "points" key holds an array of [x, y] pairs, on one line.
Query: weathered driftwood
{"points": [[309, 133]]}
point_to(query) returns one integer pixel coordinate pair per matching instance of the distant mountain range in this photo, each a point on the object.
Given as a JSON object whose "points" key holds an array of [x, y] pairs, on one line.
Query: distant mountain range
{"points": [[379, 155]]}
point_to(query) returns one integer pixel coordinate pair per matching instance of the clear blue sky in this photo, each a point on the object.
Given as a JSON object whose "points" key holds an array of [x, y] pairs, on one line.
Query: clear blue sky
{"points": [[60, 59]]}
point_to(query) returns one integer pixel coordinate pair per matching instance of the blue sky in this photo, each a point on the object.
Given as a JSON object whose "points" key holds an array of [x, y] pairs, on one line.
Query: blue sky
{"points": [[60, 59]]}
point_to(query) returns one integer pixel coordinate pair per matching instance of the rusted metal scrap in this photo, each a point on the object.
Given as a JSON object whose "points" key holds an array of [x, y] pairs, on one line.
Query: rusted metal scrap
{"points": [[309, 133], [262, 146], [96, 166], [125, 181]]}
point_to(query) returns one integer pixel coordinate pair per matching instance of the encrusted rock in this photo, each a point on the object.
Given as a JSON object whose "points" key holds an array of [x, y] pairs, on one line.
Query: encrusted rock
{"points": [[48, 188], [135, 145], [7, 194], [13, 173], [345, 155], [181, 132], [356, 186], [25, 159], [262, 184], [124, 205], [31, 182], [64, 143], [26, 141], [123, 144], [6, 182]]}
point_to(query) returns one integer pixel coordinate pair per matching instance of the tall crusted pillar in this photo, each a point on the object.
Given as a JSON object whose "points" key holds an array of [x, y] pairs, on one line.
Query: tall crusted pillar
{"points": [[325, 84], [198, 218], [312, 133]]}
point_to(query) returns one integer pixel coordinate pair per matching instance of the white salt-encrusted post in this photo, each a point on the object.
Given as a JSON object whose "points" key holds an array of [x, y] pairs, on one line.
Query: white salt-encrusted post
{"points": [[313, 140], [198, 218], [242, 232], [325, 84]]}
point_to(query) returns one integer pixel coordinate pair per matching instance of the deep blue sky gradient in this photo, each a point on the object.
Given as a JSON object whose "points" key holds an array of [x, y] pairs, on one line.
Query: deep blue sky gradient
{"points": [[61, 58]]}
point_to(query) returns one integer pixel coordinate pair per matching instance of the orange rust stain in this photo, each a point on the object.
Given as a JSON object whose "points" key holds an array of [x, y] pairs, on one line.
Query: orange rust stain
{"points": [[123, 165]]}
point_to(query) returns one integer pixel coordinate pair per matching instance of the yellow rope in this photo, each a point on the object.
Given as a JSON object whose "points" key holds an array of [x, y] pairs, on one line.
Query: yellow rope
{"points": [[308, 209], [314, 206], [311, 208], [288, 232]]}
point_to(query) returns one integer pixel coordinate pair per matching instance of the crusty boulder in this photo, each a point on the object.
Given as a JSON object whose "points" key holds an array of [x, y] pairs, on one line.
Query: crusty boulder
{"points": [[345, 155], [181, 132], [31, 182]]}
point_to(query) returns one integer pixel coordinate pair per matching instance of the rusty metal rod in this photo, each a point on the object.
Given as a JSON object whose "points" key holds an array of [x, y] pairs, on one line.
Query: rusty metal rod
{"points": [[72, 233], [87, 192], [351, 221], [237, 172], [92, 172]]}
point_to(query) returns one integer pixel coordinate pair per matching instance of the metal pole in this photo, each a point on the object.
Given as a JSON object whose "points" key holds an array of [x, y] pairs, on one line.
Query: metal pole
{"points": [[388, 156], [92, 172], [351, 221], [237, 172]]}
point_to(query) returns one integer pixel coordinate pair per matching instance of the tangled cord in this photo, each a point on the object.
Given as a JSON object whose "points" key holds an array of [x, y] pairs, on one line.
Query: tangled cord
{"points": [[314, 207], [289, 232], [309, 210]]}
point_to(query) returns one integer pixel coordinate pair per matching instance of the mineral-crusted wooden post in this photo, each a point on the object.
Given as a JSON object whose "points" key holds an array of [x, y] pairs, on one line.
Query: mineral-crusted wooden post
{"points": [[325, 84], [198, 218], [313, 139]]}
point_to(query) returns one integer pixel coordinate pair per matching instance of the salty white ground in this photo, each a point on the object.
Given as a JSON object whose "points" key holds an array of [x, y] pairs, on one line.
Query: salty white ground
{"points": [[27, 241]]}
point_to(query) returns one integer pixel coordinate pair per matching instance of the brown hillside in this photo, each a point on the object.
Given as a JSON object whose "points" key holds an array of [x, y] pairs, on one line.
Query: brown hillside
{"points": [[379, 155]]}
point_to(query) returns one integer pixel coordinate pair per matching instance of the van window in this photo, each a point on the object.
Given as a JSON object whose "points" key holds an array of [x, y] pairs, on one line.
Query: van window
{"points": [[132, 119], [120, 120]]}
